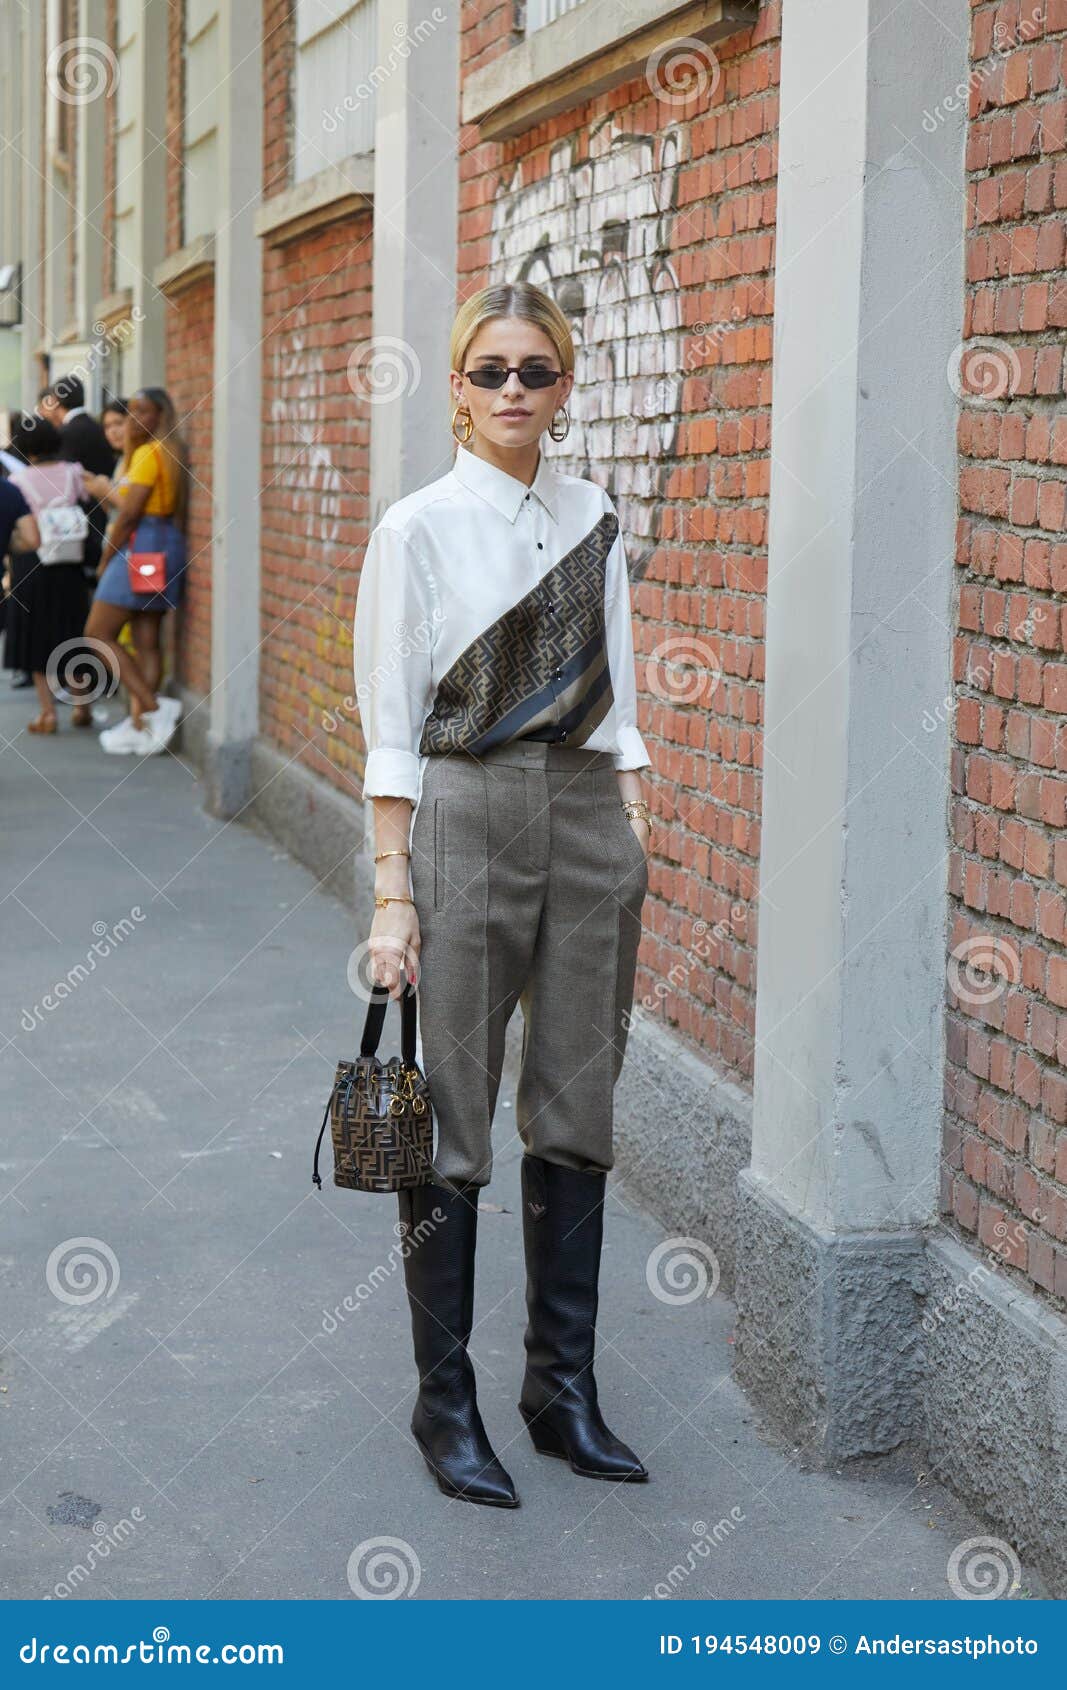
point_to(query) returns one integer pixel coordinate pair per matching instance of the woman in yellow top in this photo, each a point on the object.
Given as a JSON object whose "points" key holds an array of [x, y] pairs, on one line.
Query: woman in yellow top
{"points": [[150, 518]]}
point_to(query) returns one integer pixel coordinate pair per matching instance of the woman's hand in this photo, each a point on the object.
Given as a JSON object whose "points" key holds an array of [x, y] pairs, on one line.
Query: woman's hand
{"points": [[394, 946], [97, 486], [642, 830]]}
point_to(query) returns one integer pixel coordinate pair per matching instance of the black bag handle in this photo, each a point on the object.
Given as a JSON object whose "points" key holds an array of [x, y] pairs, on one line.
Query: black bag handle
{"points": [[372, 1032], [372, 1029]]}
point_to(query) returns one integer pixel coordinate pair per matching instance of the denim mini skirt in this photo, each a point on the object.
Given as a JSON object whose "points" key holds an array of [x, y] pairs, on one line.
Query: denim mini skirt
{"points": [[153, 534]]}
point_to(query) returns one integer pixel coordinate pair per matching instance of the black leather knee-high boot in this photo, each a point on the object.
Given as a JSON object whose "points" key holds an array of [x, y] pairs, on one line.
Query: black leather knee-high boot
{"points": [[439, 1273], [563, 1229]]}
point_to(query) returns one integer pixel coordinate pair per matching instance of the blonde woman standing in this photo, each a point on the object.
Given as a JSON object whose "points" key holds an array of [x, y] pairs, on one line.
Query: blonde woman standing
{"points": [[495, 677]]}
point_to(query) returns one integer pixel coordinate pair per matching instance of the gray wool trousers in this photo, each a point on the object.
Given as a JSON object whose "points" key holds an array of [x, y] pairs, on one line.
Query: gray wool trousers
{"points": [[528, 882]]}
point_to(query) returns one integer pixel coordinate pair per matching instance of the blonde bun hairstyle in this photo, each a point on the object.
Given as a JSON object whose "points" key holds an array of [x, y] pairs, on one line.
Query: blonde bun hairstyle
{"points": [[511, 299]]}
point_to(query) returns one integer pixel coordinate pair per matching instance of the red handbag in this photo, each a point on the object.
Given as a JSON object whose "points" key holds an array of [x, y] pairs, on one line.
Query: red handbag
{"points": [[148, 570]]}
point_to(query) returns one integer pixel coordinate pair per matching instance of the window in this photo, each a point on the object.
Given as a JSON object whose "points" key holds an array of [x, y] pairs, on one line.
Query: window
{"points": [[541, 12], [200, 132], [336, 73]]}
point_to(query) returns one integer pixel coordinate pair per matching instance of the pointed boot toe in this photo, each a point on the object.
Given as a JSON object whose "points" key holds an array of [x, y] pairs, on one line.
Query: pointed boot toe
{"points": [[461, 1458]]}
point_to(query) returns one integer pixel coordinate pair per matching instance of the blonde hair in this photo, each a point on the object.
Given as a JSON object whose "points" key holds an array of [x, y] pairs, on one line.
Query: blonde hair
{"points": [[511, 299]]}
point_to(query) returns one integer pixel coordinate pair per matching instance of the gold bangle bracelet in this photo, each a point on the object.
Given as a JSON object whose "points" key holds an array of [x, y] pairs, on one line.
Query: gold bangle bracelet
{"points": [[382, 854], [381, 902]]}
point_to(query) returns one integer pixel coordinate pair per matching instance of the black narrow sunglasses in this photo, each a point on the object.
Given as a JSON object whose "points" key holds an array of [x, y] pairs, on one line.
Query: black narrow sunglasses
{"points": [[495, 375]]}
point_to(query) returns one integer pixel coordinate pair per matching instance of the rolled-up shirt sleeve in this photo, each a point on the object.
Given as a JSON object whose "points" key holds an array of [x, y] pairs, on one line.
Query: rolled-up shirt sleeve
{"points": [[392, 641], [619, 634]]}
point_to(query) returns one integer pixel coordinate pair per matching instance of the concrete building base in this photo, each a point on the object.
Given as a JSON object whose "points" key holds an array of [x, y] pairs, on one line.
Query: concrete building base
{"points": [[828, 1337], [995, 1398], [227, 775]]}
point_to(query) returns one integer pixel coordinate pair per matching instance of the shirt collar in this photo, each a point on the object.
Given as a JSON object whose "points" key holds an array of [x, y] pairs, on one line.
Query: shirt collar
{"points": [[505, 492], [76, 411]]}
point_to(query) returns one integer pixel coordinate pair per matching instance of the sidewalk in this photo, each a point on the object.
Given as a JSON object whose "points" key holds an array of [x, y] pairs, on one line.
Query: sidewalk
{"points": [[205, 1426]]}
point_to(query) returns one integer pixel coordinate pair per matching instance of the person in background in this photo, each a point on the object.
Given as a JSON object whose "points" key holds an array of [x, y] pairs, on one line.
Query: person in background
{"points": [[12, 507], [47, 406], [123, 434], [84, 441], [52, 594], [154, 505], [113, 422]]}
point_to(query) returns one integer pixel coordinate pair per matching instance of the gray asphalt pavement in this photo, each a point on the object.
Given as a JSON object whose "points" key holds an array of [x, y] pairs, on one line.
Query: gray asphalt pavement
{"points": [[187, 1409]]}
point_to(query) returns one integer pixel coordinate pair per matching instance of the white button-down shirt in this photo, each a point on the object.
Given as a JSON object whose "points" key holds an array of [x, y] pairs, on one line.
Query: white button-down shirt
{"points": [[489, 611]]}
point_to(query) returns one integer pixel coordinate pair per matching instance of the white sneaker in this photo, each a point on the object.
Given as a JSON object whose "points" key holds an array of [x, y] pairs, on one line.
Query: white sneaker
{"points": [[124, 740], [161, 723]]}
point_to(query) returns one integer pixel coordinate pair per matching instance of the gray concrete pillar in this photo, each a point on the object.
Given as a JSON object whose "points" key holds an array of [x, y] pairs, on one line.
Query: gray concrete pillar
{"points": [[416, 208], [30, 139], [852, 929], [236, 435], [88, 229], [144, 362]]}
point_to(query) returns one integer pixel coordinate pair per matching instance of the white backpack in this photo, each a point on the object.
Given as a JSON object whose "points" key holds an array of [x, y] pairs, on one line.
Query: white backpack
{"points": [[64, 527]]}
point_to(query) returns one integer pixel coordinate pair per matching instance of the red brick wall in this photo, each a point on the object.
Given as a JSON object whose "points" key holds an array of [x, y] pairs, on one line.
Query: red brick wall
{"points": [[313, 509], [279, 34], [189, 378], [652, 221], [1006, 1085], [316, 450]]}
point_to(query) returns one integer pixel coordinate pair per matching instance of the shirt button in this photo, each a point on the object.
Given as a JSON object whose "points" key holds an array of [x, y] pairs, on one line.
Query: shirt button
{"points": [[540, 547], [563, 733]]}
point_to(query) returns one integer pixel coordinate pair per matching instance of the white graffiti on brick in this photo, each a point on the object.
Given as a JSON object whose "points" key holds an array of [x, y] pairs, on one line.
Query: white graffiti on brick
{"points": [[302, 463], [595, 233]]}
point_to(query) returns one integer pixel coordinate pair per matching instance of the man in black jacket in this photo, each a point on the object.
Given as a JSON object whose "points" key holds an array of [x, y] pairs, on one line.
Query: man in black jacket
{"points": [[83, 441]]}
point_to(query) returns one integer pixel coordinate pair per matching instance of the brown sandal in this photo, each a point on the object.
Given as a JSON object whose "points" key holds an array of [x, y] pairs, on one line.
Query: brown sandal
{"points": [[81, 716], [42, 724]]}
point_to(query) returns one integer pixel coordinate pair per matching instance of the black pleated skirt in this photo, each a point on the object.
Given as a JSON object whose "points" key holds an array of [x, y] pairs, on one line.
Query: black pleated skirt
{"points": [[47, 607]]}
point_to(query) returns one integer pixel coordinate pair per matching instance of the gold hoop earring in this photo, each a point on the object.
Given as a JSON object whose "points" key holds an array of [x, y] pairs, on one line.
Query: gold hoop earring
{"points": [[462, 438], [566, 425]]}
